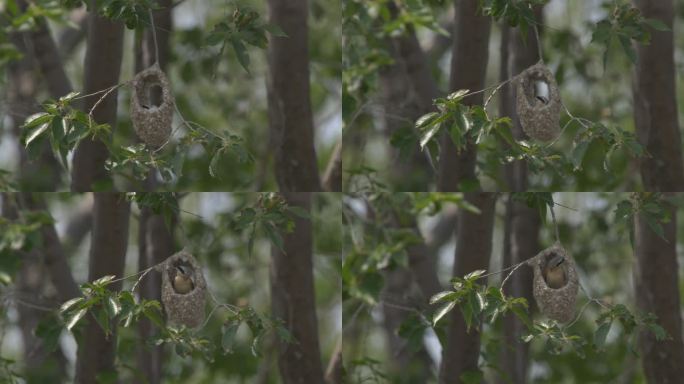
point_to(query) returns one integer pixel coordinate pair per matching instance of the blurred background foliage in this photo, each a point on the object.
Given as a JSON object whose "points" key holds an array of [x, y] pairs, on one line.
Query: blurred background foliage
{"points": [[592, 229], [211, 89], [208, 228], [577, 41]]}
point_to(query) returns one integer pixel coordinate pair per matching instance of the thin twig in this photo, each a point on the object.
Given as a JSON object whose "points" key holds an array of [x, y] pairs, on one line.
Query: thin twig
{"points": [[539, 44], [154, 37], [555, 224]]}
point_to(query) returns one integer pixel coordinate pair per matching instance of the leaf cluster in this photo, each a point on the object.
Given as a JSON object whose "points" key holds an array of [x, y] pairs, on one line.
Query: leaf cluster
{"points": [[260, 325], [272, 215], [517, 13], [624, 23], [478, 303], [242, 27], [63, 126]]}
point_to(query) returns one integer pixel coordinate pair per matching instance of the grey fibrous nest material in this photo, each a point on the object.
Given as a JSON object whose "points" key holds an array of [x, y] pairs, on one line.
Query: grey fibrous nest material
{"points": [[557, 304], [183, 309], [152, 123], [539, 119]]}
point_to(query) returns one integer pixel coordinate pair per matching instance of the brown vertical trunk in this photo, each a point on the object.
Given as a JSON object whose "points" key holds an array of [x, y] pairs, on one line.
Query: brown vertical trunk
{"points": [[102, 68], [657, 291], [40, 365], [655, 104], [473, 249], [293, 299], [109, 241], [156, 244], [289, 107], [522, 243], [468, 70], [54, 257]]}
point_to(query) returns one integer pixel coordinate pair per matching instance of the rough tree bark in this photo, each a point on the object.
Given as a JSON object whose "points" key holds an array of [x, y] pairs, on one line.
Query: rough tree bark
{"points": [[289, 105], [293, 299], [102, 68], [657, 291], [473, 249], [468, 69], [109, 241], [655, 104]]}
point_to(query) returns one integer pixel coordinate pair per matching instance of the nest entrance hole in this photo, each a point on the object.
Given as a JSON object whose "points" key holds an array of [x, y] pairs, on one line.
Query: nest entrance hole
{"points": [[151, 93], [537, 89]]}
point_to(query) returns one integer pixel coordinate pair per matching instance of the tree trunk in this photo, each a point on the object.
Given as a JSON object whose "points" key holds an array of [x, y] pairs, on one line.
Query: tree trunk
{"points": [[289, 107], [657, 291], [102, 68], [155, 245], [473, 248], [655, 104], [468, 70], [109, 241], [293, 299], [523, 243]]}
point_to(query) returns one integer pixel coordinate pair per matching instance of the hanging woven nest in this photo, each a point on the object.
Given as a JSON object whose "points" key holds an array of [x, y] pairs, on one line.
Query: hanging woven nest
{"points": [[183, 308], [538, 103], [556, 303], [152, 123]]}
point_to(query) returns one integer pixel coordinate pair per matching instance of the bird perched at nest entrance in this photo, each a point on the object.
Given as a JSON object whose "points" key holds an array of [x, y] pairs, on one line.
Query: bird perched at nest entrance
{"points": [[554, 274], [184, 279]]}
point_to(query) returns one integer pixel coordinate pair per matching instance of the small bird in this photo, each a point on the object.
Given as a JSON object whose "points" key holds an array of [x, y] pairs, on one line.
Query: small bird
{"points": [[554, 274], [541, 91], [183, 281]]}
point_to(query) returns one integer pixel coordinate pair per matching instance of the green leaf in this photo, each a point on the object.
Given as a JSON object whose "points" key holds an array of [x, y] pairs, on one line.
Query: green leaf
{"points": [[442, 296], [36, 119], [75, 318], [104, 280], [274, 236], [240, 52], [578, 154], [474, 275], [113, 306], [657, 24], [274, 30], [68, 97], [153, 314], [442, 311], [103, 320], [602, 32], [70, 303], [458, 95], [228, 338], [655, 225], [601, 333], [35, 132], [628, 48]]}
